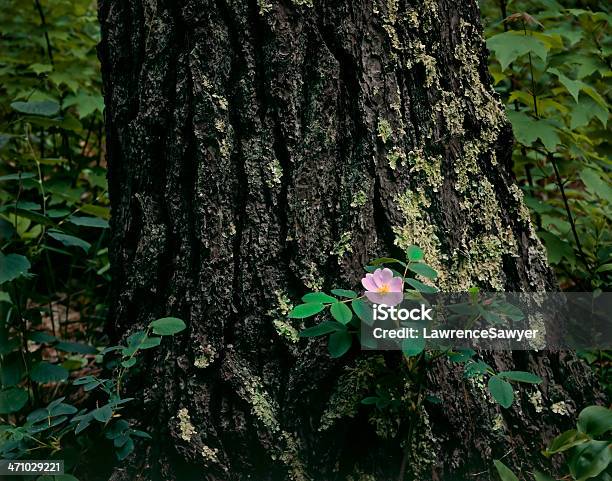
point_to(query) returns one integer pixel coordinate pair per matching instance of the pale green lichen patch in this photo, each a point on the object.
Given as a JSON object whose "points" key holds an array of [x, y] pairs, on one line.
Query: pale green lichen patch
{"points": [[312, 279], [536, 322], [263, 406], [390, 9], [560, 408], [498, 423], [396, 157], [276, 173], [359, 199], [431, 74], [265, 410], [264, 7], [535, 398], [424, 448], [450, 108], [208, 354], [384, 130], [342, 246], [429, 166], [360, 476], [350, 389], [286, 330], [290, 455], [483, 264], [210, 454], [418, 229], [185, 426]]}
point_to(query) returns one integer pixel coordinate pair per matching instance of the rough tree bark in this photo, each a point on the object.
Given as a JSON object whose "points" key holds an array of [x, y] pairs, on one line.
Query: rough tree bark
{"points": [[261, 148]]}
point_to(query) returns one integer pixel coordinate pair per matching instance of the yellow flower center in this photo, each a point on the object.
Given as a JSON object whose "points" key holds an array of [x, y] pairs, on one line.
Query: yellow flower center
{"points": [[384, 289]]}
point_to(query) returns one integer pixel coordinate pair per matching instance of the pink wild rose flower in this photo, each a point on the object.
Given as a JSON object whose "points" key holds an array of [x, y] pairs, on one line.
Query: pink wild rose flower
{"points": [[383, 288]]}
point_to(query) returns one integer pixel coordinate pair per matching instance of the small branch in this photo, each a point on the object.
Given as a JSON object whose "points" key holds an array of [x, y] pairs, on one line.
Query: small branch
{"points": [[43, 23], [570, 218]]}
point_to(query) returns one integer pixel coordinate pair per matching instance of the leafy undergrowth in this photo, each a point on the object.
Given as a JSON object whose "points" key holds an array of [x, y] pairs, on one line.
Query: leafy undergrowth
{"points": [[550, 62]]}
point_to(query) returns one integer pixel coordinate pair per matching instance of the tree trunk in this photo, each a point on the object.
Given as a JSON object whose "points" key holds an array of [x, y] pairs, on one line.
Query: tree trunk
{"points": [[259, 149]]}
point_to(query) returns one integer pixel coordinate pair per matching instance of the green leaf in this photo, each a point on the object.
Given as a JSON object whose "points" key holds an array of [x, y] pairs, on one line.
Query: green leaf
{"points": [[595, 420], [44, 372], [556, 249], [306, 310], [69, 240], [124, 451], [414, 254], [341, 312], [520, 376], [45, 108], [344, 293], [572, 86], [509, 46], [12, 266], [476, 368], [505, 473], [527, 130], [103, 414], [128, 363], [39, 68], [413, 346], [88, 221], [19, 176], [318, 297], [75, 347], [85, 103], [140, 340], [589, 459], [41, 337], [12, 400], [596, 185], [419, 286], [541, 476], [565, 441], [321, 329], [369, 400], [167, 326], [363, 311], [385, 260], [150, 342], [501, 391], [339, 343], [585, 110], [423, 270]]}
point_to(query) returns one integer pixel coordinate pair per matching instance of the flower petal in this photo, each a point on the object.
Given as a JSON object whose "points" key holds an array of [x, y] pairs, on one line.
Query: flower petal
{"points": [[368, 282], [386, 275], [392, 298], [375, 297], [396, 284], [376, 278]]}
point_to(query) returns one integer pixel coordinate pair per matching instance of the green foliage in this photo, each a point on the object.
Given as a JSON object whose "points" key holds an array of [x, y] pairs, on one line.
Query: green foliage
{"points": [[54, 270], [346, 316], [501, 391], [52, 427], [587, 449], [504, 471], [550, 61], [167, 326]]}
